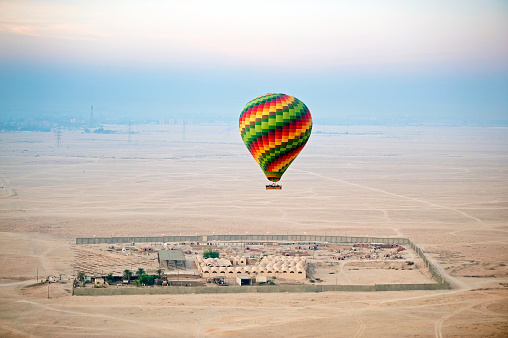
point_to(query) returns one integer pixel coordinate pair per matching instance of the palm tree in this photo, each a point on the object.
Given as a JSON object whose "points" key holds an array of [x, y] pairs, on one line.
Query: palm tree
{"points": [[81, 276], [127, 275], [140, 272], [159, 272]]}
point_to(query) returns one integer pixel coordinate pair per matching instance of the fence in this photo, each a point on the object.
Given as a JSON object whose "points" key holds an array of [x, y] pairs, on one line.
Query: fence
{"points": [[256, 239], [178, 290], [430, 265], [244, 239]]}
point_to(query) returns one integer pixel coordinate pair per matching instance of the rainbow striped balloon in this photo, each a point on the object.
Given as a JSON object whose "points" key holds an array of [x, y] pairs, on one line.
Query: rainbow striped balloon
{"points": [[275, 128]]}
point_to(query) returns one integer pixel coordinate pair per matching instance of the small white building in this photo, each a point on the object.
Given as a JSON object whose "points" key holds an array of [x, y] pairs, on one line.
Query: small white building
{"points": [[243, 280]]}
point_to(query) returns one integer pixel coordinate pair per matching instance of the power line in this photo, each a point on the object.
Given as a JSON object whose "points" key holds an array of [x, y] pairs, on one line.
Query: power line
{"points": [[58, 137], [91, 118]]}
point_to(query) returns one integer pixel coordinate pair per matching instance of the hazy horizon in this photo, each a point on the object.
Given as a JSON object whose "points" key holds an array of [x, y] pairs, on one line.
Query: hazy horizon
{"points": [[379, 62]]}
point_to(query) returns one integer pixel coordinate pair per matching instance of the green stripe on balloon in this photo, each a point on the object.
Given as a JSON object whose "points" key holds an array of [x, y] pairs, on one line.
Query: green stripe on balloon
{"points": [[279, 117], [250, 135]]}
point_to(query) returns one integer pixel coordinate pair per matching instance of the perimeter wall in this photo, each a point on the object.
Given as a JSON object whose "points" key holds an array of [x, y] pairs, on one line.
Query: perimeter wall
{"points": [[243, 239], [251, 289], [255, 239]]}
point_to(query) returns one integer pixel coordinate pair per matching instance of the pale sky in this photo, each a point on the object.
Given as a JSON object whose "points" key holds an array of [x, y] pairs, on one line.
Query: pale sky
{"points": [[372, 60]]}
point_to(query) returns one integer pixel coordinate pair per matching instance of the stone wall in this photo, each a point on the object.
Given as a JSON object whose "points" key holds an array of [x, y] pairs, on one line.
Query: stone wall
{"points": [[436, 272], [252, 289], [244, 239]]}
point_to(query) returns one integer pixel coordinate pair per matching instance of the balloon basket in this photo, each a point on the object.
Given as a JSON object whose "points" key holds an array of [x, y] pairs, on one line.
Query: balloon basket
{"points": [[273, 187]]}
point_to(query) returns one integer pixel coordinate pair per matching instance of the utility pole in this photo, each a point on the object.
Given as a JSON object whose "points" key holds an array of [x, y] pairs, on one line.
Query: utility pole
{"points": [[58, 137], [91, 118]]}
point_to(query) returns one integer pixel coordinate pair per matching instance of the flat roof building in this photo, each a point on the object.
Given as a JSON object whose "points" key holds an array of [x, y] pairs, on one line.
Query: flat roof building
{"points": [[243, 280], [171, 259]]}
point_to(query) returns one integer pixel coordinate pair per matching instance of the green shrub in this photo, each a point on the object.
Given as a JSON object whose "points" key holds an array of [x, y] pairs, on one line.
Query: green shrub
{"points": [[210, 254], [146, 279]]}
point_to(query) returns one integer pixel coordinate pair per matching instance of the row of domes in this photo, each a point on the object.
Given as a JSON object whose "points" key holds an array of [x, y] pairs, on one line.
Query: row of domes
{"points": [[300, 264], [277, 258], [270, 264], [242, 269]]}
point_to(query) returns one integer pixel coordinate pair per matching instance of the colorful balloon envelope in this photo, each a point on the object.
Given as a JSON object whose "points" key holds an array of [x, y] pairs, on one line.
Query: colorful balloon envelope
{"points": [[275, 128]]}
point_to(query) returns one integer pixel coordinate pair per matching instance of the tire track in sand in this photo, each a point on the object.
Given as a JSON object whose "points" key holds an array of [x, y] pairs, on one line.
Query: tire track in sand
{"points": [[362, 327], [396, 195], [438, 327], [96, 315]]}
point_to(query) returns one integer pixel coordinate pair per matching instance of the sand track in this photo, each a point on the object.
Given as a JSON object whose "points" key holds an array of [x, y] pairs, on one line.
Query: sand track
{"points": [[395, 195], [443, 187]]}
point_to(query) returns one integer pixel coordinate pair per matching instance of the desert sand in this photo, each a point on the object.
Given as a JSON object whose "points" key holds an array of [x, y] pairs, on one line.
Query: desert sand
{"points": [[446, 188]]}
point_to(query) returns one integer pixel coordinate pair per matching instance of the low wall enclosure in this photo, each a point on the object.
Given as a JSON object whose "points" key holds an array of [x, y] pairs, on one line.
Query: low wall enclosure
{"points": [[259, 239]]}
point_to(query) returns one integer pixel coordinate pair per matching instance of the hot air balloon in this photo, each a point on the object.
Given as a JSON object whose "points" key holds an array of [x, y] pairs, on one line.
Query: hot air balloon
{"points": [[275, 128]]}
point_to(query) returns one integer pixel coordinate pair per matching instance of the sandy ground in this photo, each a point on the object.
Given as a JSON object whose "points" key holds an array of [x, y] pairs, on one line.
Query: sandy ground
{"points": [[446, 188], [99, 260]]}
